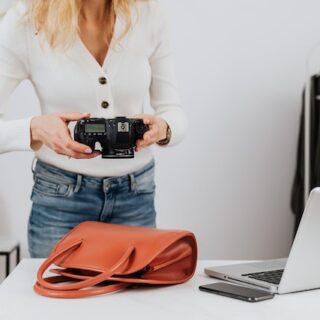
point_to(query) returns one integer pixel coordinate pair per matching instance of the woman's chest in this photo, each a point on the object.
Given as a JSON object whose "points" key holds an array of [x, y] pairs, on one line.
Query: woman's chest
{"points": [[73, 77]]}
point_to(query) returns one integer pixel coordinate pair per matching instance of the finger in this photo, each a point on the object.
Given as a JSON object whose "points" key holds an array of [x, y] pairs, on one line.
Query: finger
{"points": [[146, 143], [148, 120], [139, 148], [139, 145], [73, 116], [151, 134], [78, 147], [68, 143], [149, 138], [142, 144], [77, 155]]}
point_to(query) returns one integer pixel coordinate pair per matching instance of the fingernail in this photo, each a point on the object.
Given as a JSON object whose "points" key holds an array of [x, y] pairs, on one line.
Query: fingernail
{"points": [[88, 151]]}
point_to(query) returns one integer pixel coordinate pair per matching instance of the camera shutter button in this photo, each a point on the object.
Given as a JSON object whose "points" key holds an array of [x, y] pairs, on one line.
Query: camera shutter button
{"points": [[104, 104]]}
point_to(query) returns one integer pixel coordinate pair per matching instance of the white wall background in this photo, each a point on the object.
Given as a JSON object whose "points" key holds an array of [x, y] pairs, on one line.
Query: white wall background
{"points": [[241, 68]]}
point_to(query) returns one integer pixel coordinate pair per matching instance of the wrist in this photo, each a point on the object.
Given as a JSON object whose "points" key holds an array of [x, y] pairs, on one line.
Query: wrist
{"points": [[35, 140], [165, 136], [164, 131]]}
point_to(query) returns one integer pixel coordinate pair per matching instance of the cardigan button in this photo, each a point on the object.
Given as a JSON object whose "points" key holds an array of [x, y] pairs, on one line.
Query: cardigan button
{"points": [[104, 104], [102, 80]]}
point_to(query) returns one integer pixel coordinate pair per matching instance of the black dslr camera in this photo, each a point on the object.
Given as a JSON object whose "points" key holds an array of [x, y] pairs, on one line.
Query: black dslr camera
{"points": [[117, 136]]}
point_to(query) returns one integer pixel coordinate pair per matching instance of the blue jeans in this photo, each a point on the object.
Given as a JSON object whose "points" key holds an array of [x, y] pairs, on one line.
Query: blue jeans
{"points": [[62, 199]]}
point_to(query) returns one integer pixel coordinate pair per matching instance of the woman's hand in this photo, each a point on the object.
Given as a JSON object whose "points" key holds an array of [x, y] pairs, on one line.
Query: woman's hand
{"points": [[157, 132], [52, 130]]}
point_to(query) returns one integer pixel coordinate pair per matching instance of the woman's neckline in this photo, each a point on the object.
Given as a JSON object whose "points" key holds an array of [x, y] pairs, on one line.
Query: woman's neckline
{"points": [[114, 37]]}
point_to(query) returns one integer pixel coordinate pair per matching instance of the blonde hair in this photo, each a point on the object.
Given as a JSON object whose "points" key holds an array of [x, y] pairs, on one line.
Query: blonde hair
{"points": [[58, 20]]}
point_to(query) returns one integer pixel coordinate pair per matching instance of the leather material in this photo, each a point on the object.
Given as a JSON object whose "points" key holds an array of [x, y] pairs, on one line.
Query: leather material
{"points": [[96, 258]]}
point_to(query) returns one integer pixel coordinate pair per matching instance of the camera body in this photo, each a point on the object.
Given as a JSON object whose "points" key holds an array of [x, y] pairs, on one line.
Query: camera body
{"points": [[117, 136]]}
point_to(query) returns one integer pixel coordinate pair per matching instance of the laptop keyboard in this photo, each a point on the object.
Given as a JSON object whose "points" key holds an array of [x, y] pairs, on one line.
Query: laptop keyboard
{"points": [[273, 276]]}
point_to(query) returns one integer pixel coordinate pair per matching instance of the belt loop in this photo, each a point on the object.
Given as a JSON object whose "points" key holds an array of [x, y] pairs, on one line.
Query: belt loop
{"points": [[78, 185], [132, 182], [33, 165]]}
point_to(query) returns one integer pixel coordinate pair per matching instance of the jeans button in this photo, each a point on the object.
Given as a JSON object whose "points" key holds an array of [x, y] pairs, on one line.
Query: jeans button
{"points": [[107, 184]]}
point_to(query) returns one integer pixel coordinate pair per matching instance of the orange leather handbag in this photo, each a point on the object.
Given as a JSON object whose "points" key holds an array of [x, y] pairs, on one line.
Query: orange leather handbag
{"points": [[96, 258]]}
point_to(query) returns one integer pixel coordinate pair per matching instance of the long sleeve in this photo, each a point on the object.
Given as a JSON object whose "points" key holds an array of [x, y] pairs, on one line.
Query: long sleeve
{"points": [[164, 94], [14, 135]]}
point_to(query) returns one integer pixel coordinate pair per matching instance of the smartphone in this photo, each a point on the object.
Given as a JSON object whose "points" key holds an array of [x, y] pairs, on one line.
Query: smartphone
{"points": [[237, 292]]}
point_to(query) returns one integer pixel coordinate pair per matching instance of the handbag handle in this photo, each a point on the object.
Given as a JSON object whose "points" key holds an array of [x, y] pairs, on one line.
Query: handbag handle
{"points": [[45, 284], [71, 294]]}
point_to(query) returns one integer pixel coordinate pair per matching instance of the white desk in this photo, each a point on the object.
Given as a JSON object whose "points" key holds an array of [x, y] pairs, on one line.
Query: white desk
{"points": [[18, 301]]}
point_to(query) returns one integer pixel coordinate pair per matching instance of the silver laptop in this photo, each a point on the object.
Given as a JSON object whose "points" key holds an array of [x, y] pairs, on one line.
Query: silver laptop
{"points": [[300, 271]]}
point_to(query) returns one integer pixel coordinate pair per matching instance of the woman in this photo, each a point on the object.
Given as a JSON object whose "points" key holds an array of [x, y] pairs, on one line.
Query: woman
{"points": [[88, 58]]}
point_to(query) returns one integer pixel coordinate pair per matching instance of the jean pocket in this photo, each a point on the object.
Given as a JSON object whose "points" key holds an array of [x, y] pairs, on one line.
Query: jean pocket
{"points": [[144, 183], [49, 187]]}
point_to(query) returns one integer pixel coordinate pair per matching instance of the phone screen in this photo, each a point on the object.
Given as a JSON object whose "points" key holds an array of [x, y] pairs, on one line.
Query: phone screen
{"points": [[236, 291]]}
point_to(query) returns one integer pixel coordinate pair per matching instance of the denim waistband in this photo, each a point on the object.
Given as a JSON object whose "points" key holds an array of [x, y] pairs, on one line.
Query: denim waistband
{"points": [[65, 176]]}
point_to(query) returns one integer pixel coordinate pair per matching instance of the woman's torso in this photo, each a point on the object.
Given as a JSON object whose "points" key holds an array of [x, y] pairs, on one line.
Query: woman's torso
{"points": [[69, 80]]}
